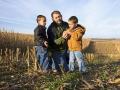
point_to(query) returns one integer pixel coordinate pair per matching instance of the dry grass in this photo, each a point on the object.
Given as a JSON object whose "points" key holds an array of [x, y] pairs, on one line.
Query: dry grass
{"points": [[13, 40], [19, 69]]}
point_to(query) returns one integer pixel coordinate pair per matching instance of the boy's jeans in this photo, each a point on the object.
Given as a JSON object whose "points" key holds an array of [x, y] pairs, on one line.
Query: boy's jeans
{"points": [[76, 55], [42, 56], [59, 58]]}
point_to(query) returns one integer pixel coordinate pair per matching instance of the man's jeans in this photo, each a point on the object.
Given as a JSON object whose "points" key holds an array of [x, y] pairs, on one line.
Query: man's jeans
{"points": [[59, 59], [42, 56], [76, 55]]}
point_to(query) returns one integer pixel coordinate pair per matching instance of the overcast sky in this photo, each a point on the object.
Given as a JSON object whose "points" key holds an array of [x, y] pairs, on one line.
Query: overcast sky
{"points": [[100, 17]]}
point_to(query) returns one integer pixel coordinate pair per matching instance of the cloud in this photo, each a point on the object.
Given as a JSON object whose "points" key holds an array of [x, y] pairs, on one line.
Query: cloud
{"points": [[100, 17]]}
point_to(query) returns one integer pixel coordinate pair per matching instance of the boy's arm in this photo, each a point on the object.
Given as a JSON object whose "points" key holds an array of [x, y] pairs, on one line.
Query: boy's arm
{"points": [[41, 38]]}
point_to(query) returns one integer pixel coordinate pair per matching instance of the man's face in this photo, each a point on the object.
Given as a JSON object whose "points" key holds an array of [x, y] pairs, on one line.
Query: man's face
{"points": [[71, 25], [41, 21], [57, 18]]}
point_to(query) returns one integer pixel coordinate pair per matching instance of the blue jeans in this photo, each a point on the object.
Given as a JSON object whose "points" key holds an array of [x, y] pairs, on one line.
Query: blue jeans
{"points": [[42, 56], [59, 58], [76, 55], [50, 64]]}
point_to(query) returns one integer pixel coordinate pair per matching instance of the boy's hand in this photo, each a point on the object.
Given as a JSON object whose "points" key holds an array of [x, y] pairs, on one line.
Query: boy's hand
{"points": [[46, 43], [69, 33], [65, 35]]}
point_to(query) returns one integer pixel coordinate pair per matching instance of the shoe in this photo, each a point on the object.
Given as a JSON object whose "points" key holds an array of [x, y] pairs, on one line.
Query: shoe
{"points": [[44, 71], [54, 71]]}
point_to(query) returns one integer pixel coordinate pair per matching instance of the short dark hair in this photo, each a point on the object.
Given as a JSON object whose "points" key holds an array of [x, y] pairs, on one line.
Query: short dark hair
{"points": [[55, 12], [74, 19], [40, 16]]}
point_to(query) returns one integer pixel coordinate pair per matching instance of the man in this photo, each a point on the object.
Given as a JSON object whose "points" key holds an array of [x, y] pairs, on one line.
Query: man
{"points": [[57, 41]]}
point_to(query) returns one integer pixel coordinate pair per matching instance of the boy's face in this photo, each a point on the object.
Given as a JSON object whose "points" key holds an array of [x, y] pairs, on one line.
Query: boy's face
{"points": [[72, 25], [41, 21], [57, 18]]}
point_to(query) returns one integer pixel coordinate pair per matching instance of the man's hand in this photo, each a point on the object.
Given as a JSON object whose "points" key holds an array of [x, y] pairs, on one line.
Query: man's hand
{"points": [[46, 43]]}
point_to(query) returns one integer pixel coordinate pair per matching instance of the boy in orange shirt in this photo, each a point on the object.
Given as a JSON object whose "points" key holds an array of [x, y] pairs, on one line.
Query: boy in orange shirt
{"points": [[75, 33]]}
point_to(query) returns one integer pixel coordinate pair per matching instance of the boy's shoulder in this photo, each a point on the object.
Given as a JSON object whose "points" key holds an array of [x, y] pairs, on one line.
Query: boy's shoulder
{"points": [[36, 28], [81, 26], [80, 29], [39, 28]]}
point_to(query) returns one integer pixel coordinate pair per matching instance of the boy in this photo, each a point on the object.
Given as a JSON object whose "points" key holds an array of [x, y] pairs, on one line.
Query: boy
{"points": [[40, 41], [75, 33]]}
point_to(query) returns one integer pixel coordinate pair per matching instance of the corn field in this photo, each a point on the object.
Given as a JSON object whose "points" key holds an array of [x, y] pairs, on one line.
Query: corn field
{"points": [[19, 69], [13, 40]]}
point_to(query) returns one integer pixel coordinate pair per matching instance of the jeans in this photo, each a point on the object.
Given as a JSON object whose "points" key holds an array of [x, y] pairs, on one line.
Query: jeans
{"points": [[76, 55], [59, 58], [42, 56]]}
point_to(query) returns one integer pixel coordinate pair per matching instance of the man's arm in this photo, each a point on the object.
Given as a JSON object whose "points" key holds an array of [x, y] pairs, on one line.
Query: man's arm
{"points": [[59, 41], [51, 38]]}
